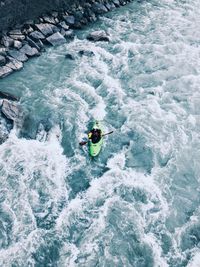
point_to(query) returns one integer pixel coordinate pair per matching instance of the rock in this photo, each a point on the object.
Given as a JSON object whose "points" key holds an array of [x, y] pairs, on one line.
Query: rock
{"points": [[33, 44], [11, 110], [90, 15], [69, 56], [7, 41], [98, 36], [99, 8], [54, 14], [45, 28], [69, 34], [87, 53], [64, 25], [70, 20], [17, 44], [36, 35], [17, 37], [116, 3], [5, 128], [41, 45], [29, 51], [18, 55], [8, 96], [15, 32], [49, 19], [56, 39], [2, 60], [14, 64], [3, 51], [5, 71]]}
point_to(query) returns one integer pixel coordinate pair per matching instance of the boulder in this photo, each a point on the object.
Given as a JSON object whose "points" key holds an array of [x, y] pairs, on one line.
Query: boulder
{"points": [[87, 53], [17, 37], [33, 43], [49, 19], [116, 3], [99, 8], [45, 28], [36, 35], [2, 60], [18, 55], [63, 25], [5, 71], [7, 41], [8, 96], [98, 36], [29, 51], [14, 64], [3, 51], [11, 110], [90, 15], [17, 44], [56, 39], [15, 32], [69, 34], [70, 20], [69, 56]]}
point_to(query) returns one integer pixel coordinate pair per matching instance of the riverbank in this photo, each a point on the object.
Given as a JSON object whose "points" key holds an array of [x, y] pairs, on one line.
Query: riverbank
{"points": [[28, 38]]}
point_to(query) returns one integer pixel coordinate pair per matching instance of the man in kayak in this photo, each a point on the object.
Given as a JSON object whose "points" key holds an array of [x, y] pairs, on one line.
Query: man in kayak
{"points": [[95, 135]]}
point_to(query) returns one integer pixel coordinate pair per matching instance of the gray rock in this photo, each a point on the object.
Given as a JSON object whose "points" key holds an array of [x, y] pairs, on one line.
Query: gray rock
{"points": [[33, 43], [18, 55], [3, 51], [70, 20], [8, 96], [49, 19], [5, 71], [54, 14], [41, 45], [11, 110], [45, 28], [99, 8], [69, 34], [17, 37], [2, 60], [69, 56], [36, 35], [17, 44], [29, 51], [56, 39], [64, 25], [86, 53], [98, 36], [14, 64], [7, 41], [15, 32], [116, 3]]}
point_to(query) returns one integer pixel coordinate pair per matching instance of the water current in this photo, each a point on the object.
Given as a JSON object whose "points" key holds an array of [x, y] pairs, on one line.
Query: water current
{"points": [[138, 203]]}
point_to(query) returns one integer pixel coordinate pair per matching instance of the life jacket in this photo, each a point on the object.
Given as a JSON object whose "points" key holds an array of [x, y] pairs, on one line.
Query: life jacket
{"points": [[95, 135]]}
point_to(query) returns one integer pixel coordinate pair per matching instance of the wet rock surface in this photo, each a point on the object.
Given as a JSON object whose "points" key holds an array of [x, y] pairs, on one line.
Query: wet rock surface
{"points": [[10, 114], [29, 37], [98, 36]]}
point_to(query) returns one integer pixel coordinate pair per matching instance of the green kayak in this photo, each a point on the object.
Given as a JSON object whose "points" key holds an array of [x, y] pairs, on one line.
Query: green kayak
{"points": [[94, 149]]}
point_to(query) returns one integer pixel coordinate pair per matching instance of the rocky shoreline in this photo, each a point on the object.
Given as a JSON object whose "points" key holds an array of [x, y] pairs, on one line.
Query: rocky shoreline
{"points": [[55, 28]]}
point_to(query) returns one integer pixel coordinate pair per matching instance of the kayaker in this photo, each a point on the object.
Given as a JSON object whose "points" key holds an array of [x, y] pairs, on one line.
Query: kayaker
{"points": [[95, 135]]}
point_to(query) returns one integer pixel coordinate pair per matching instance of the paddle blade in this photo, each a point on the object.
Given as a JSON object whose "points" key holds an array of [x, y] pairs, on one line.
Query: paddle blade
{"points": [[83, 143]]}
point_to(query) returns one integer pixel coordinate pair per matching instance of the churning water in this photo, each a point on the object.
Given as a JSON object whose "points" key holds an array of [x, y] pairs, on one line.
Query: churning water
{"points": [[138, 203]]}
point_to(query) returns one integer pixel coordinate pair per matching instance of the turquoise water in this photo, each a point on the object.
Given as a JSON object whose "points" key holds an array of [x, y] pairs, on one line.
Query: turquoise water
{"points": [[137, 204]]}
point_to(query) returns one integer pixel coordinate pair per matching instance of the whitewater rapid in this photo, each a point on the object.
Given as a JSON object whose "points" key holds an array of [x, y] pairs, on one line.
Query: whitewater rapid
{"points": [[138, 203]]}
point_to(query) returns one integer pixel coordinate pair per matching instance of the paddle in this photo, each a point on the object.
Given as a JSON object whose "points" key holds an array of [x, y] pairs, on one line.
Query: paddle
{"points": [[85, 142]]}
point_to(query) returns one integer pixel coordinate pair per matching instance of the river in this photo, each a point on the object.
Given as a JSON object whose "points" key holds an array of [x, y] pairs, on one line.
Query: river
{"points": [[138, 203]]}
